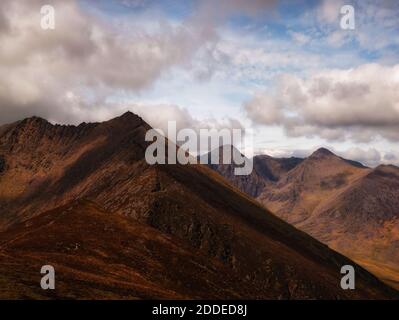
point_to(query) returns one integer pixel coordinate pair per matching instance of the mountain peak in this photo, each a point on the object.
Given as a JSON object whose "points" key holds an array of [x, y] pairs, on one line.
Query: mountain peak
{"points": [[35, 120], [126, 121], [321, 153], [32, 123], [129, 115], [127, 118]]}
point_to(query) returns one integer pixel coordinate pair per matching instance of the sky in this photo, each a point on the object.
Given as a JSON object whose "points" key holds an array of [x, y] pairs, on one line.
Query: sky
{"points": [[285, 69]]}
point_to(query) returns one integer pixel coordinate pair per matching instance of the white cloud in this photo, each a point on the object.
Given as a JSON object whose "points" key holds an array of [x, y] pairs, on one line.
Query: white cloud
{"points": [[68, 73], [94, 60], [159, 115], [359, 104], [370, 157], [300, 38], [84, 55]]}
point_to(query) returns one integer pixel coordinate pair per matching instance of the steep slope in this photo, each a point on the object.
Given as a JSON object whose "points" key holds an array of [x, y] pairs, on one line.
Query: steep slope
{"points": [[362, 222], [101, 255], [192, 205], [251, 184], [301, 190], [272, 169], [49, 165], [266, 170], [351, 208]]}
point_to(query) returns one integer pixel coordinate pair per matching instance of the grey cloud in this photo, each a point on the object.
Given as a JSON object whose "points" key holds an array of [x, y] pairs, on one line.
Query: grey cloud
{"points": [[84, 57], [158, 116], [67, 73], [359, 104], [370, 157], [390, 157], [225, 8]]}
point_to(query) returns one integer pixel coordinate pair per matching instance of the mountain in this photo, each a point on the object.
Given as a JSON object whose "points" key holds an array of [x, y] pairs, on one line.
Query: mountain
{"points": [[266, 169], [100, 255], [49, 165], [251, 184], [272, 169], [366, 216], [83, 198], [301, 190], [351, 208]]}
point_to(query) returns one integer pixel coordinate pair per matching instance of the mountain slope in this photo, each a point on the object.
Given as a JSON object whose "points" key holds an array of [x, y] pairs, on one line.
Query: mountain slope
{"points": [[251, 184], [366, 216], [49, 165], [192, 205], [301, 190], [266, 170], [352, 208], [272, 169], [101, 255]]}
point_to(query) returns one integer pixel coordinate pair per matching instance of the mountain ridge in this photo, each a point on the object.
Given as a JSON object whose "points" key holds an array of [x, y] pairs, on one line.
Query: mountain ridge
{"points": [[343, 204], [105, 165]]}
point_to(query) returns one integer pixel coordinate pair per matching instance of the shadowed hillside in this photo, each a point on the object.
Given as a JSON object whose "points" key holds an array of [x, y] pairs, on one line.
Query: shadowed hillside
{"points": [[145, 231]]}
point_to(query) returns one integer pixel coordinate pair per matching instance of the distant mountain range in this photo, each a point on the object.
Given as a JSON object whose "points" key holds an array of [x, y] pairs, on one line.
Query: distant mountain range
{"points": [[84, 200], [346, 205]]}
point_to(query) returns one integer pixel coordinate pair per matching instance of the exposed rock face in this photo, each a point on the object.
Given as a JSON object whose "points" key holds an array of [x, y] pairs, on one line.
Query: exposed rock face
{"points": [[271, 169], [266, 170], [84, 199], [251, 184]]}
